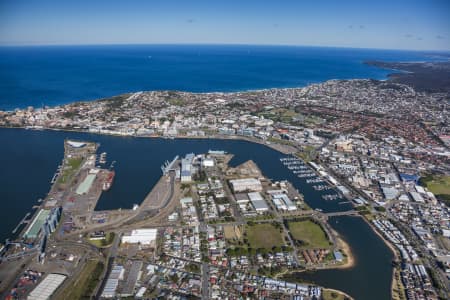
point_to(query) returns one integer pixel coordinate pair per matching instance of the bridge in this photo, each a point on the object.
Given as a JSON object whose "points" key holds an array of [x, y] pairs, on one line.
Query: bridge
{"points": [[342, 213]]}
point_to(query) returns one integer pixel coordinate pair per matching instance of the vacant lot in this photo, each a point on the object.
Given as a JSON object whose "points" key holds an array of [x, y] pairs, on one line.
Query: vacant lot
{"points": [[264, 236], [232, 232], [309, 233]]}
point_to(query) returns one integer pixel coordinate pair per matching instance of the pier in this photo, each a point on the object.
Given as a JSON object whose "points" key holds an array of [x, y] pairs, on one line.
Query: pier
{"points": [[23, 221], [169, 166]]}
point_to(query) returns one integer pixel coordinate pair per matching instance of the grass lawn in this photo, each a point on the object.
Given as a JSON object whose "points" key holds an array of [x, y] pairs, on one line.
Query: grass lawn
{"points": [[83, 286], [106, 242], [264, 236], [280, 141], [438, 185], [310, 233], [307, 154], [332, 295], [70, 168]]}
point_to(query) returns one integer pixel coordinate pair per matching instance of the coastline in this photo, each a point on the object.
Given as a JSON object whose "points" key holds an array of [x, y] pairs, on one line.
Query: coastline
{"points": [[351, 260], [395, 70], [386, 242], [358, 69], [391, 247], [423, 76], [275, 146], [340, 292]]}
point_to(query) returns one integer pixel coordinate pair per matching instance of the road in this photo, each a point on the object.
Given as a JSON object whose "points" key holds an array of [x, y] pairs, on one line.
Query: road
{"points": [[205, 267], [205, 280]]}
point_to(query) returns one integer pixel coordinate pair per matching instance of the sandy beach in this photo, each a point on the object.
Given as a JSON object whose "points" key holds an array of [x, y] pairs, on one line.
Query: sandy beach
{"points": [[351, 261]]}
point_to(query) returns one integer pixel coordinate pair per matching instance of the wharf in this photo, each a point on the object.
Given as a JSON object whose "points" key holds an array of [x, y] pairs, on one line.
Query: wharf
{"points": [[23, 221]]}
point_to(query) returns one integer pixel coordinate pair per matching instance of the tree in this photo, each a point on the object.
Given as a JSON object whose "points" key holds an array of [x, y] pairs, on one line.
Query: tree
{"points": [[276, 249], [231, 252], [262, 251]]}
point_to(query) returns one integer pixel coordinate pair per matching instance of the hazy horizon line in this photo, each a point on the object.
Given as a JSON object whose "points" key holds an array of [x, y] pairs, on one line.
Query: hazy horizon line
{"points": [[215, 44]]}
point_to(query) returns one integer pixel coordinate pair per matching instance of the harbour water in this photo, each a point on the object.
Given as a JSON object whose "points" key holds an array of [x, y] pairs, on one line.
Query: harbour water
{"points": [[30, 158], [52, 75]]}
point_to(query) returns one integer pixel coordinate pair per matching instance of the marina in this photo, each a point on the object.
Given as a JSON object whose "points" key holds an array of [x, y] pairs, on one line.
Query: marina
{"points": [[299, 168]]}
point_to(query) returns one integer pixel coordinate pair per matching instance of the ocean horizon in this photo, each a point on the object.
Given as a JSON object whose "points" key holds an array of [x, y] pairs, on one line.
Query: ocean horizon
{"points": [[55, 75]]}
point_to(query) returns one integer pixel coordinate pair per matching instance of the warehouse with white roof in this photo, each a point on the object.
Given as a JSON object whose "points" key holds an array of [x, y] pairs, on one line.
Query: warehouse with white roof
{"points": [[145, 236], [258, 202], [47, 287], [117, 273], [246, 184], [282, 201]]}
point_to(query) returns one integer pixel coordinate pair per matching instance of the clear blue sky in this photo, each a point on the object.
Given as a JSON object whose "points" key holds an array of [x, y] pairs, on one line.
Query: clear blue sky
{"points": [[395, 24]]}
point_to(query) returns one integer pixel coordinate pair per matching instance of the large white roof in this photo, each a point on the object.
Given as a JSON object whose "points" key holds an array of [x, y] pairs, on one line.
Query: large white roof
{"points": [[76, 144], [47, 287], [143, 236]]}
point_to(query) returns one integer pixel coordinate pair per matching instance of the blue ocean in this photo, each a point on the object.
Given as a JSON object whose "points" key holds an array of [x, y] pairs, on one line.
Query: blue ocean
{"points": [[52, 75]]}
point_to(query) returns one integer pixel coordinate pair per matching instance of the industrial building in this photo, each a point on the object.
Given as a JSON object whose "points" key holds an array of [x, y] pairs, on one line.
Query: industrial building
{"points": [[258, 202], [86, 184], [47, 287], [45, 221], [389, 193], [241, 198], [52, 220], [75, 144], [128, 289], [116, 274], [246, 184], [282, 202], [417, 197], [145, 237], [186, 167], [208, 162], [35, 227]]}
